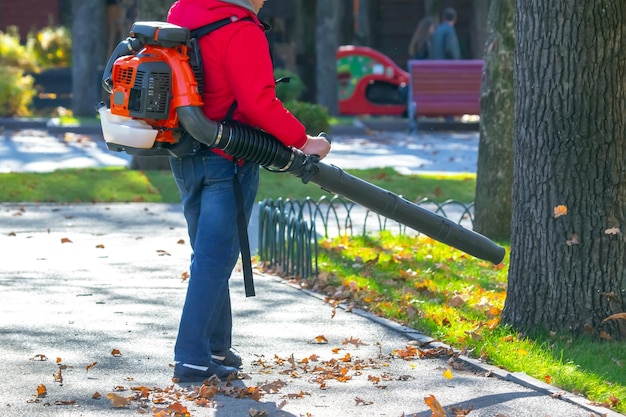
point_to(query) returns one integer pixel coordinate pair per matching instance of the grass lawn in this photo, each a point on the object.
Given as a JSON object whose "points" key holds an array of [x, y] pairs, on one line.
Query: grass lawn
{"points": [[124, 185]]}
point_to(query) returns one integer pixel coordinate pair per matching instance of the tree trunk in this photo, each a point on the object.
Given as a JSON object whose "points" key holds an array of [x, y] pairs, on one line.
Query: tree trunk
{"points": [[567, 270], [88, 47], [492, 206], [327, 39]]}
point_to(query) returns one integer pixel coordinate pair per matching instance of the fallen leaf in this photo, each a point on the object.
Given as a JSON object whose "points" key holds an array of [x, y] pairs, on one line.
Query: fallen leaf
{"points": [[39, 357], [448, 374], [58, 376], [96, 395], [119, 401], [58, 360], [116, 352], [91, 365], [181, 241], [321, 339], [434, 406], [560, 211], [41, 391], [573, 240], [363, 402], [66, 240], [184, 276], [100, 246], [618, 316]]}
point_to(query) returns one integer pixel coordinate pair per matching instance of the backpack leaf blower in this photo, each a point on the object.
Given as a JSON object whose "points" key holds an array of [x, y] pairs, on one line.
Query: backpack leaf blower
{"points": [[154, 101]]}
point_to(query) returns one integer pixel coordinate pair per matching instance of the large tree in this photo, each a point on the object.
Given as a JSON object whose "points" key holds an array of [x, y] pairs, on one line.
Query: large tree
{"points": [[492, 207], [567, 269], [327, 42], [88, 45]]}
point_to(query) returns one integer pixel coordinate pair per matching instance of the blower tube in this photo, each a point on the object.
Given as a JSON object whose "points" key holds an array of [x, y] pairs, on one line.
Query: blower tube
{"points": [[245, 142]]}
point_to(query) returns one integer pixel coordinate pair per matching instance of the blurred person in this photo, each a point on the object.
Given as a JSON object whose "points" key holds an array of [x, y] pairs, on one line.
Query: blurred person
{"points": [[419, 47], [445, 43]]}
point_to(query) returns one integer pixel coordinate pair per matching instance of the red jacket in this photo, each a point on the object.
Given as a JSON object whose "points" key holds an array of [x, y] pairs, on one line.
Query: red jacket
{"points": [[238, 66]]}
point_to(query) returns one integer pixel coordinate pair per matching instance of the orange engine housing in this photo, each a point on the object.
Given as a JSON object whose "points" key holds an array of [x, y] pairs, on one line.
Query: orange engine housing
{"points": [[151, 85]]}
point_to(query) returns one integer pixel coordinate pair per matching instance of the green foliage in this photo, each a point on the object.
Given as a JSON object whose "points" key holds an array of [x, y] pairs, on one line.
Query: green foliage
{"points": [[288, 91], [16, 92], [13, 53], [313, 116], [51, 47]]}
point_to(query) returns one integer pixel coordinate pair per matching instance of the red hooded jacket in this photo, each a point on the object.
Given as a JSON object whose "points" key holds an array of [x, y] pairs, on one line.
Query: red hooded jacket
{"points": [[238, 67]]}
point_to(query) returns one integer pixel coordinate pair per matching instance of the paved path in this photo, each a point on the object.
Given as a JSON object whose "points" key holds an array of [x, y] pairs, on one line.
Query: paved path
{"points": [[81, 282]]}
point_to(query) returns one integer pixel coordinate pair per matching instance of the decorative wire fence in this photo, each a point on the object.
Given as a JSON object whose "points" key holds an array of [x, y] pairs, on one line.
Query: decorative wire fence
{"points": [[289, 229]]}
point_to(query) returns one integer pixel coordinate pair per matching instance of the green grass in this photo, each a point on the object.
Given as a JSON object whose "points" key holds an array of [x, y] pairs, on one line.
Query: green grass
{"points": [[458, 299], [123, 185]]}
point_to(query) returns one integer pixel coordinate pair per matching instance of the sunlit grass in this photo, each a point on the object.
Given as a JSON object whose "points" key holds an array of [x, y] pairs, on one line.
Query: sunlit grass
{"points": [[123, 185], [458, 299]]}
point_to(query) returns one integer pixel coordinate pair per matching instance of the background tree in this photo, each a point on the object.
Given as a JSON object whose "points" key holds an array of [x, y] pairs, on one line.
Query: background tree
{"points": [[567, 271], [327, 42], [88, 45], [492, 207]]}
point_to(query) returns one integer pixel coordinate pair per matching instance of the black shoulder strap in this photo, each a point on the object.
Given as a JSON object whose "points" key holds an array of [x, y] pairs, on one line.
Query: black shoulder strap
{"points": [[206, 29]]}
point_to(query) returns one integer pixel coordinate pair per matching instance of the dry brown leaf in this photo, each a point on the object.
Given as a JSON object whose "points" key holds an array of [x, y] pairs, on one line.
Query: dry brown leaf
{"points": [[181, 241], [58, 360], [39, 357], [434, 406], [119, 401], [100, 246], [184, 276], [618, 316], [66, 240], [359, 401], [91, 365], [96, 395], [41, 391], [58, 376], [116, 352]]}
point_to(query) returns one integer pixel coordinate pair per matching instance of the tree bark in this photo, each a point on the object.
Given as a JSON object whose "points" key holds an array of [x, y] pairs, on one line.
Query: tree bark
{"points": [[327, 42], [492, 205], [88, 47], [567, 271]]}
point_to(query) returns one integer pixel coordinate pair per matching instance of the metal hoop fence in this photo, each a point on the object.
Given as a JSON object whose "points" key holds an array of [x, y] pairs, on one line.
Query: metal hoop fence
{"points": [[288, 229]]}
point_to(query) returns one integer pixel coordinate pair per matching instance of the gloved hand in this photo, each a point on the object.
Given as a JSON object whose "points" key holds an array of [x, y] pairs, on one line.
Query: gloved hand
{"points": [[316, 145]]}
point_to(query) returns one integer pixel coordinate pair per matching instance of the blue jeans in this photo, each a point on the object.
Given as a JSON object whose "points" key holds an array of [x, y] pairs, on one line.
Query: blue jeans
{"points": [[205, 183]]}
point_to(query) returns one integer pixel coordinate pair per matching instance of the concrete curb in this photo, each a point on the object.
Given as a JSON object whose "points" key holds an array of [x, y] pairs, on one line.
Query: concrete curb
{"points": [[519, 378]]}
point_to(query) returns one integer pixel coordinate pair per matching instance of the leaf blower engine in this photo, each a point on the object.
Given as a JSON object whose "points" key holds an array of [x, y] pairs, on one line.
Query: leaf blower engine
{"points": [[154, 77]]}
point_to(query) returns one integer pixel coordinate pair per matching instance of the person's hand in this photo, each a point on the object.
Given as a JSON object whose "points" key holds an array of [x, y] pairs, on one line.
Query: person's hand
{"points": [[316, 145]]}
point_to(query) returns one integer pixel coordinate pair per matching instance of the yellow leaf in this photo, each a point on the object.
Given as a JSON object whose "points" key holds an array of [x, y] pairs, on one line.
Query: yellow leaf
{"points": [[560, 211], [41, 390], [448, 374]]}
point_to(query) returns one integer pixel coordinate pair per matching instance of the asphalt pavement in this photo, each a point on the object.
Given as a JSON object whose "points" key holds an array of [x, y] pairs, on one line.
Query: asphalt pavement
{"points": [[92, 295]]}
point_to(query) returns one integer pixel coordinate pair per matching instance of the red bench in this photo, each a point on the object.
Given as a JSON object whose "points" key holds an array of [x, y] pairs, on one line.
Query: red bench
{"points": [[443, 88]]}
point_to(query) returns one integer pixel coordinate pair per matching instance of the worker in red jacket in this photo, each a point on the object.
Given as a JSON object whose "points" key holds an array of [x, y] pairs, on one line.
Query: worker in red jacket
{"points": [[238, 85]]}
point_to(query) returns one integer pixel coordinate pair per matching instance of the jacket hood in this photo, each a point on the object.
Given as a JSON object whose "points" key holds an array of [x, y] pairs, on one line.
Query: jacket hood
{"points": [[243, 3], [196, 13]]}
